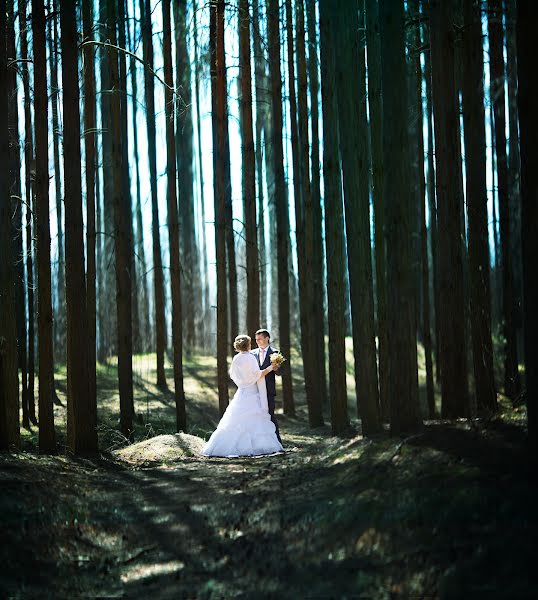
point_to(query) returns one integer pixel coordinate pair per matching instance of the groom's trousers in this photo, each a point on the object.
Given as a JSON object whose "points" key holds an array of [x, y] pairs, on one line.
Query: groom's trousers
{"points": [[271, 406]]}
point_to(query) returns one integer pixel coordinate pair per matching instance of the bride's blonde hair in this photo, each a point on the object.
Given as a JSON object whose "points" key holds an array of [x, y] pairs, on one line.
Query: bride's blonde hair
{"points": [[242, 343]]}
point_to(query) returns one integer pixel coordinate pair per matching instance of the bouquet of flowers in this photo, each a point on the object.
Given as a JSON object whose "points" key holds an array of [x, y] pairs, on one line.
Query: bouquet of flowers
{"points": [[276, 359]]}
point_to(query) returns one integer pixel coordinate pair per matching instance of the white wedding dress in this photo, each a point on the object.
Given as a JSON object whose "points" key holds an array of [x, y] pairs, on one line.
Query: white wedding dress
{"points": [[246, 428]]}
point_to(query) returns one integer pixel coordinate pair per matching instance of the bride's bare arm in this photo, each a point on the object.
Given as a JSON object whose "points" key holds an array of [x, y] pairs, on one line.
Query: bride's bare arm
{"points": [[265, 371]]}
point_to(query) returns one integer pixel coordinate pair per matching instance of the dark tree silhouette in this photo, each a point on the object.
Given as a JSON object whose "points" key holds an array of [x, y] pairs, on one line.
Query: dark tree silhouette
{"points": [[403, 375], [218, 101], [81, 433], [449, 206], [47, 437], [334, 226]]}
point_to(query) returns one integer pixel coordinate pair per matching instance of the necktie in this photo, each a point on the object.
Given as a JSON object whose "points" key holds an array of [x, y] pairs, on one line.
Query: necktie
{"points": [[262, 356]]}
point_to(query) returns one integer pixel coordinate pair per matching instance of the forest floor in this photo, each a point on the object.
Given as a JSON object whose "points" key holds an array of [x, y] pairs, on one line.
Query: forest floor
{"points": [[448, 513]]}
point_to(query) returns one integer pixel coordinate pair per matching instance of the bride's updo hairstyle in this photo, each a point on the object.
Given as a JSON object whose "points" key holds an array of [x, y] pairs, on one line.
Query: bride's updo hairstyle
{"points": [[242, 343]]}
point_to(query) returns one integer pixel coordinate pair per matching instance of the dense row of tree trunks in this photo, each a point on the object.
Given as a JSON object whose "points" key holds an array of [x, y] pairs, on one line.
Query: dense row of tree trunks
{"points": [[218, 103], [47, 437], [402, 355], [497, 78], [351, 95], [376, 154], [281, 201], [334, 226], [158, 280], [81, 430], [9, 383], [449, 206], [528, 121], [248, 173], [90, 119], [476, 194]]}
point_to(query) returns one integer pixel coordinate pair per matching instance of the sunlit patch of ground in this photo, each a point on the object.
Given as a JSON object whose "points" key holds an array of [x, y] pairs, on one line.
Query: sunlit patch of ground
{"points": [[448, 513]]}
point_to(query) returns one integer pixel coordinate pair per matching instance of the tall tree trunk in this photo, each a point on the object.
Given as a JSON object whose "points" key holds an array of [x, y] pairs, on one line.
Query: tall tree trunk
{"points": [[281, 201], [527, 94], [497, 77], [173, 221], [477, 205], [47, 436], [318, 254], [376, 144], [28, 403], [514, 163], [122, 235], [351, 94], [334, 225], [59, 320], [81, 435], [432, 209], [449, 206], [315, 342], [17, 256], [149, 85], [261, 140], [249, 172], [423, 237], [218, 100], [403, 375], [9, 384], [185, 157], [91, 165], [307, 350], [141, 343]]}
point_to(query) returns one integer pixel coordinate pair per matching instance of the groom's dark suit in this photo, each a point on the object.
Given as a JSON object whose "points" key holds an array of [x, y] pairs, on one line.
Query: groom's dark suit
{"points": [[270, 383]]}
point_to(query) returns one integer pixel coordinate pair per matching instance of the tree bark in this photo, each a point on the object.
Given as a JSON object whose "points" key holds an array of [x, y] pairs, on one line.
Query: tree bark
{"points": [[334, 225], [82, 437], [376, 144], [449, 206], [9, 384], [497, 77], [122, 236], [173, 222], [47, 436], [477, 206], [218, 100], [281, 201], [403, 375], [351, 95], [91, 166]]}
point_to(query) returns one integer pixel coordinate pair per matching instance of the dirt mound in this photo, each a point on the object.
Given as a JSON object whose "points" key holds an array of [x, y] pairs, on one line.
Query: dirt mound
{"points": [[161, 448]]}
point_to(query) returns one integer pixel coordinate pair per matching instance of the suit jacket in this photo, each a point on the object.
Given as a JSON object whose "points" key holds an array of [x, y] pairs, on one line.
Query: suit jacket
{"points": [[269, 378]]}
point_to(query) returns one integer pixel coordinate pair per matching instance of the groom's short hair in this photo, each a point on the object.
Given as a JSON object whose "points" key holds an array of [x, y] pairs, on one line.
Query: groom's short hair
{"points": [[263, 332]]}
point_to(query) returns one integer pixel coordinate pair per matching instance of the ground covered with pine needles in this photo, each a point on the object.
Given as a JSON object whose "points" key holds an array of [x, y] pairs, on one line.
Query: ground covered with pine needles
{"points": [[449, 513]]}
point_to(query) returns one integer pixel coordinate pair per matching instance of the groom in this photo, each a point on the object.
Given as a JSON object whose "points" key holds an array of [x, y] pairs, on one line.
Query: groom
{"points": [[262, 353]]}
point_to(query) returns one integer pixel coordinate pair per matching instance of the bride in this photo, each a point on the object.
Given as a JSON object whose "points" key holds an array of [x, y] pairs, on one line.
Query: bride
{"points": [[246, 428]]}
